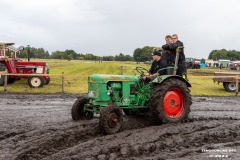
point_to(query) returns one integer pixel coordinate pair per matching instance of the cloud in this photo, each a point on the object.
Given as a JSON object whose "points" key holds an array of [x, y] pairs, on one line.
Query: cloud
{"points": [[111, 27]]}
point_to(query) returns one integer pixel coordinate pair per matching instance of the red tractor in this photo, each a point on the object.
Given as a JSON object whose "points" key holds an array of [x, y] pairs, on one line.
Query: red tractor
{"points": [[21, 69]]}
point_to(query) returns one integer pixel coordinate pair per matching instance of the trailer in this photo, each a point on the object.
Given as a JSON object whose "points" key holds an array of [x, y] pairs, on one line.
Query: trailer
{"points": [[228, 79]]}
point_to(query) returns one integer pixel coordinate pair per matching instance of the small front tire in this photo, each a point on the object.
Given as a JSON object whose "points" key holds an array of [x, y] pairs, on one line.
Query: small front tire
{"points": [[111, 119], [35, 81], [78, 112]]}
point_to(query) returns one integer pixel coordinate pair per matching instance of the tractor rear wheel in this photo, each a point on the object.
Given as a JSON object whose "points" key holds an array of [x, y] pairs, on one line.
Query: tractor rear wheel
{"points": [[78, 112], [170, 101], [11, 80], [111, 119], [2, 69]]}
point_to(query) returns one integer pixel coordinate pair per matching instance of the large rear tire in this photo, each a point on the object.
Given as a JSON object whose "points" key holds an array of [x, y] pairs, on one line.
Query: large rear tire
{"points": [[11, 80], [35, 81], [111, 119], [170, 101], [3, 68]]}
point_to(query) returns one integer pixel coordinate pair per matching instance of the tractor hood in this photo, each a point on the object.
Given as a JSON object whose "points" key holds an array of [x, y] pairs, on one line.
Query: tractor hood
{"points": [[104, 78]]}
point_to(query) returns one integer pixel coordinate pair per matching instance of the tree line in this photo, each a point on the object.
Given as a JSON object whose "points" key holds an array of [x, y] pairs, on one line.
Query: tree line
{"points": [[70, 55], [35, 53], [224, 54], [139, 55]]}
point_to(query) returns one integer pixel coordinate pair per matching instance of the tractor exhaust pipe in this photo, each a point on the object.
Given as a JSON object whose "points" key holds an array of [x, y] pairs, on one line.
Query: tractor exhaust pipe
{"points": [[28, 52]]}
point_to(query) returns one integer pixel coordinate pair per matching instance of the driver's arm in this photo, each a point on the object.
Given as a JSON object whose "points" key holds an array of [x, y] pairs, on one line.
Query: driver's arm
{"points": [[154, 75]]}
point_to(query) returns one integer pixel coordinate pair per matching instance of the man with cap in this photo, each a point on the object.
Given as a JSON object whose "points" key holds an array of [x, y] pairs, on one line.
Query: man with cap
{"points": [[158, 63]]}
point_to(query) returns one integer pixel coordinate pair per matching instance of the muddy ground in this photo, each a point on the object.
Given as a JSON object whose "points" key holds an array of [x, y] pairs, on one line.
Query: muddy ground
{"points": [[40, 127]]}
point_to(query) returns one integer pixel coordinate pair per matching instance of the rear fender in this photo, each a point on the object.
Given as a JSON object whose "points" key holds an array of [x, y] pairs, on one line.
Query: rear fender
{"points": [[163, 78]]}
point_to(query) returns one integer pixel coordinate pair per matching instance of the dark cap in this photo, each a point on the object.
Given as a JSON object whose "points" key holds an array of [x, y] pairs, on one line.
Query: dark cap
{"points": [[156, 53]]}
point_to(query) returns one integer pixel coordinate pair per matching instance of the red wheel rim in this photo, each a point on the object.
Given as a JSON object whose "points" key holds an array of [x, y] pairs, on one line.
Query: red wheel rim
{"points": [[113, 120], [173, 103]]}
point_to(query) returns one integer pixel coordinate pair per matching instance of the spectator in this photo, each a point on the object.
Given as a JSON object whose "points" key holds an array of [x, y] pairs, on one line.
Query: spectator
{"points": [[182, 70]]}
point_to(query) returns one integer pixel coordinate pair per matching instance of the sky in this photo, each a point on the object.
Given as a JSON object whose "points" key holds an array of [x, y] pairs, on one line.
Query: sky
{"points": [[110, 27]]}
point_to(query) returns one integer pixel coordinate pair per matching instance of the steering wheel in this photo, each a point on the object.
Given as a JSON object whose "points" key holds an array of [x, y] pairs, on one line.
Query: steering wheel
{"points": [[141, 70]]}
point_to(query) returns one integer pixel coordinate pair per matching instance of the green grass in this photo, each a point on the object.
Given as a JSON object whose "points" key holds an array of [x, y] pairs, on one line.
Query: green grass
{"points": [[203, 85], [76, 72]]}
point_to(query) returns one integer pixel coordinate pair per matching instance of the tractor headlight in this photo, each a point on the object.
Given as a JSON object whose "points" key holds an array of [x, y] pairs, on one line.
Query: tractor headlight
{"points": [[90, 94]]}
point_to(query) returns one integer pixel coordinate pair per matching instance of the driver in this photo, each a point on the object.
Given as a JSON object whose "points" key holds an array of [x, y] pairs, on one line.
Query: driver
{"points": [[158, 63]]}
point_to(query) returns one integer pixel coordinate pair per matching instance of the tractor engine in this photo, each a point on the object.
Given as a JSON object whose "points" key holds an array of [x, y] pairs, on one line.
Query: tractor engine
{"points": [[115, 89]]}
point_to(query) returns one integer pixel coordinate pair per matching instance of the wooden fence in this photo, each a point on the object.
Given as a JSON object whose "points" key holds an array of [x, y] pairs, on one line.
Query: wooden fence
{"points": [[5, 74], [237, 78]]}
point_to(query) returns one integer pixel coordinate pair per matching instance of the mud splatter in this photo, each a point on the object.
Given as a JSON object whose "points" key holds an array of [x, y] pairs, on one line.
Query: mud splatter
{"points": [[40, 127]]}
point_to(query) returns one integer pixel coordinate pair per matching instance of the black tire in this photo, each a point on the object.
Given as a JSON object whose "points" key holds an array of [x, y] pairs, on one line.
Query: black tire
{"points": [[230, 86], [238, 68], [35, 81], [164, 98], [3, 68], [77, 110], [47, 80], [11, 80], [111, 119]]}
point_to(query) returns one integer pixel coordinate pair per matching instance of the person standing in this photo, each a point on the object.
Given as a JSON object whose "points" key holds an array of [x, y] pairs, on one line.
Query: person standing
{"points": [[167, 53], [182, 70]]}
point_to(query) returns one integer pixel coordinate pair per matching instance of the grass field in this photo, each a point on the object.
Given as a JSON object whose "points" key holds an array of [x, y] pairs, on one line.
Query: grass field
{"points": [[76, 72]]}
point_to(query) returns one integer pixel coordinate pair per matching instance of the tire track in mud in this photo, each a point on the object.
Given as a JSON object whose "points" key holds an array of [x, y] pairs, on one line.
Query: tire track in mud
{"points": [[155, 142], [39, 143], [55, 140], [209, 126]]}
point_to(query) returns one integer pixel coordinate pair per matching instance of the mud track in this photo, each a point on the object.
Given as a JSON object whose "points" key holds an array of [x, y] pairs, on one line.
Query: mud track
{"points": [[40, 127]]}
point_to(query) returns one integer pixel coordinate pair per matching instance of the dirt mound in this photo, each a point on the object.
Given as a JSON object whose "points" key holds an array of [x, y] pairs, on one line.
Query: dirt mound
{"points": [[40, 127]]}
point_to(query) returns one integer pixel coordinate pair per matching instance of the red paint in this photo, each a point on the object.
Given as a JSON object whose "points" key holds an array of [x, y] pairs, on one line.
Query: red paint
{"points": [[173, 103]]}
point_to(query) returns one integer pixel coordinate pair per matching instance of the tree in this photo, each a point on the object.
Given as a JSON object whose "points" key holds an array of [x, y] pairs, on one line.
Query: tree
{"points": [[136, 54], [224, 54], [143, 54]]}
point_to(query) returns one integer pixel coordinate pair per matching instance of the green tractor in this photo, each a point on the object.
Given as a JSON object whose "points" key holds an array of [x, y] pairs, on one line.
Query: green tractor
{"points": [[166, 97]]}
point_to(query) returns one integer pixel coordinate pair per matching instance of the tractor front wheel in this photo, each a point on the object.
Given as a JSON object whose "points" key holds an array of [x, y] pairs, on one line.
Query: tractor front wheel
{"points": [[170, 101], [78, 112], [35, 81], [111, 119]]}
